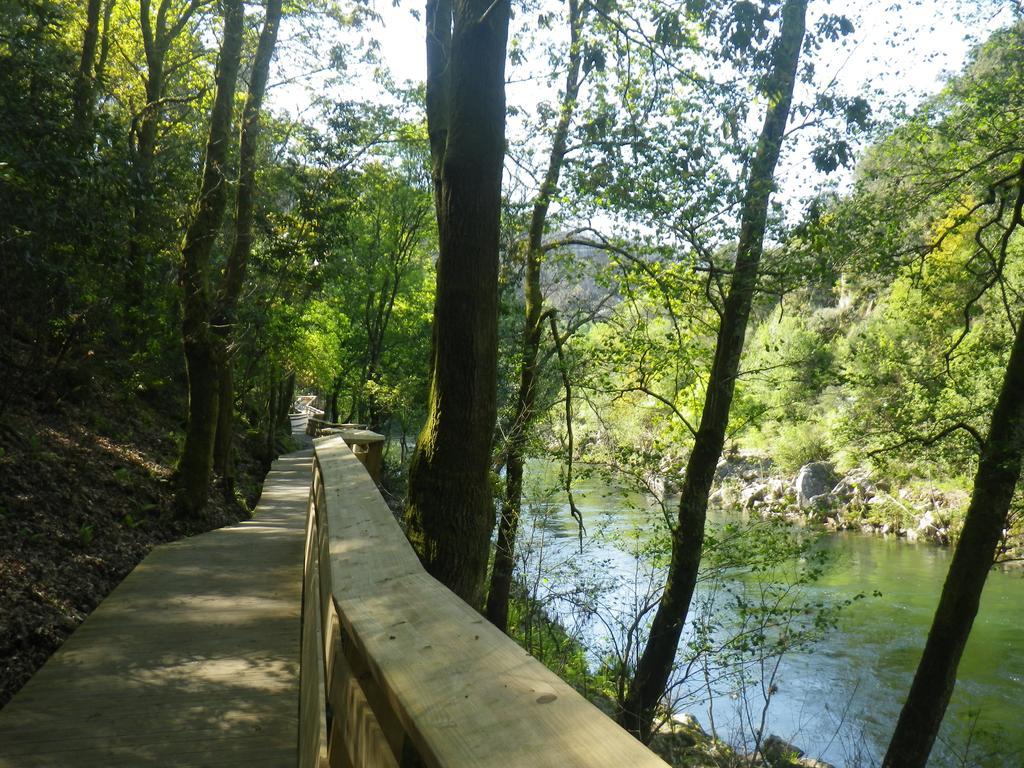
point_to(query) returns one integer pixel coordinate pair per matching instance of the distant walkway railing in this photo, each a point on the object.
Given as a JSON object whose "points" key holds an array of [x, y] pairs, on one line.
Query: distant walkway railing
{"points": [[301, 411], [398, 671]]}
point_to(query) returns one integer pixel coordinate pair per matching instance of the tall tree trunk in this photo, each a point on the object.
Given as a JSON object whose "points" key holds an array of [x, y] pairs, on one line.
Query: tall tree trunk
{"points": [[655, 665], [987, 517], [284, 404], [238, 259], [101, 63], [223, 441], [273, 407], [143, 158], [450, 514], [154, 46], [332, 401], [508, 525], [159, 31], [438, 96], [201, 359], [85, 84]]}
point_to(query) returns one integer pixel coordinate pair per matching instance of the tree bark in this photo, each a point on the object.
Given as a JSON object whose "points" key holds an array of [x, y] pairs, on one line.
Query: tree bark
{"points": [[987, 516], [655, 664], [223, 441], [450, 514], [284, 404], [238, 259], [201, 359], [508, 525], [332, 401], [84, 86], [273, 408], [439, 43]]}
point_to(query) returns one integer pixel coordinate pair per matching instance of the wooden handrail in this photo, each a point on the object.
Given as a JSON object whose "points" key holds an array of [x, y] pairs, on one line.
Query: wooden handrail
{"points": [[368, 446], [317, 426], [398, 671]]}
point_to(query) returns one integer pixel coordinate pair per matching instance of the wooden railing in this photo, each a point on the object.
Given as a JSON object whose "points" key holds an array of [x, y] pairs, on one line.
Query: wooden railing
{"points": [[319, 427], [398, 671], [368, 446]]}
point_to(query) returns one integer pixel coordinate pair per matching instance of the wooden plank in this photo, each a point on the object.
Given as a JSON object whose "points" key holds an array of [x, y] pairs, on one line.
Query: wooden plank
{"points": [[465, 694], [192, 661], [357, 736], [312, 724]]}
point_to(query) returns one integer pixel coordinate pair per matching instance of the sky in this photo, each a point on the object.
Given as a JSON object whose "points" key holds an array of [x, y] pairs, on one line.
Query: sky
{"points": [[906, 47], [900, 52]]}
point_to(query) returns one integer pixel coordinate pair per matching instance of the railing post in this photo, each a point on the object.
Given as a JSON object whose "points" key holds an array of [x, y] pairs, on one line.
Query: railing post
{"points": [[312, 721]]}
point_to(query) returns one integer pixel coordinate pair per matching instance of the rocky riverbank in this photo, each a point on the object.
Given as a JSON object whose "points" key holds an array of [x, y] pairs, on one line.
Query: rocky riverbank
{"points": [[682, 742], [853, 500]]}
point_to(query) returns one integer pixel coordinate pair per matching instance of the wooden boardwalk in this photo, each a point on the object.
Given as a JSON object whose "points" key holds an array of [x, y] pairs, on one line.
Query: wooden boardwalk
{"points": [[193, 660]]}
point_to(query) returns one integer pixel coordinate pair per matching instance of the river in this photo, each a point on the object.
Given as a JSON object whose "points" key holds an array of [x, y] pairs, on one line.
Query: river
{"points": [[839, 700]]}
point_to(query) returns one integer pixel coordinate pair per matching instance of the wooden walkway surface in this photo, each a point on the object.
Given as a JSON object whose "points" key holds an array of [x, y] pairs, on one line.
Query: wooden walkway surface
{"points": [[193, 660]]}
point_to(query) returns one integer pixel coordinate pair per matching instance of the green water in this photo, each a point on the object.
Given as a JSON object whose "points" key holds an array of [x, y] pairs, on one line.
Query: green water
{"points": [[839, 701]]}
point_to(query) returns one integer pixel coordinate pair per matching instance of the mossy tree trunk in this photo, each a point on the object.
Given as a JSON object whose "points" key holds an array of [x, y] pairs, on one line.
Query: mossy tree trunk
{"points": [[654, 667], [450, 513], [201, 353], [515, 454]]}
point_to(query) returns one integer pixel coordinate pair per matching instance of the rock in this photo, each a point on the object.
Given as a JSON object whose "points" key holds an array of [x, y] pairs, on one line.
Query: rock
{"points": [[681, 741], [810, 762], [689, 722], [844, 491], [655, 483], [777, 488], [930, 527], [752, 494], [741, 467], [855, 486], [813, 480], [779, 752], [818, 507]]}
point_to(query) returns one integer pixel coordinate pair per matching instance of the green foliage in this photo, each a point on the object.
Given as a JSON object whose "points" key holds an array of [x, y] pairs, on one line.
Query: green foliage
{"points": [[123, 477], [85, 534], [548, 641], [797, 444], [364, 338]]}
